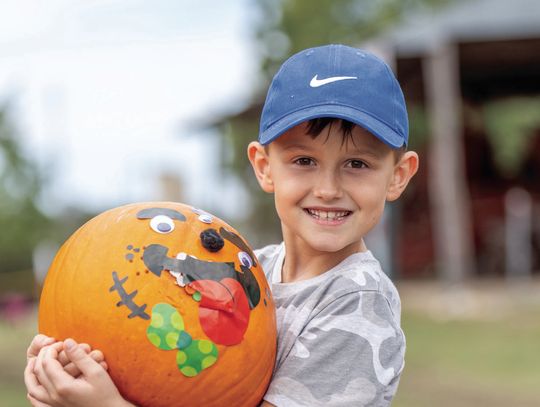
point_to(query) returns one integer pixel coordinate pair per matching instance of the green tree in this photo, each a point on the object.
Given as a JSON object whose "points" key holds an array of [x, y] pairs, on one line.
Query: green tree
{"points": [[285, 27], [22, 224], [510, 126]]}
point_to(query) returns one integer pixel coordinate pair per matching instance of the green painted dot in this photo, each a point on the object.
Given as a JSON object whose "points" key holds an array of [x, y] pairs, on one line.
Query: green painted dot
{"points": [[181, 358], [157, 336], [154, 339], [171, 338], [208, 361], [189, 371], [197, 296], [157, 320], [205, 346], [176, 321]]}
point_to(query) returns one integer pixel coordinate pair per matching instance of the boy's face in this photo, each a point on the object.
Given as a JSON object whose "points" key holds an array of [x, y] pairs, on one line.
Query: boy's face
{"points": [[329, 192]]}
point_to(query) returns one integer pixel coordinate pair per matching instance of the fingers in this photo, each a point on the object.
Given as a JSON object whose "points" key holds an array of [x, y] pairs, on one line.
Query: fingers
{"points": [[35, 402], [49, 384], [64, 359], [85, 347], [73, 370], [76, 373], [97, 355], [36, 392], [47, 363], [37, 343], [82, 360]]}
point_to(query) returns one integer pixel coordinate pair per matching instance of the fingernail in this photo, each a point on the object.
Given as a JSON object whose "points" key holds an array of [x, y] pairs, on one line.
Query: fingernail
{"points": [[69, 344]]}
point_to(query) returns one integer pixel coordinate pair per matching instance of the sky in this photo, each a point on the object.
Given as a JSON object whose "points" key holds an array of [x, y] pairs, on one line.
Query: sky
{"points": [[106, 95]]}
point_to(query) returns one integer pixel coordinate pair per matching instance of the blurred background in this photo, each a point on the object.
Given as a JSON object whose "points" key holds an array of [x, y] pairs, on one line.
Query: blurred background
{"points": [[107, 102]]}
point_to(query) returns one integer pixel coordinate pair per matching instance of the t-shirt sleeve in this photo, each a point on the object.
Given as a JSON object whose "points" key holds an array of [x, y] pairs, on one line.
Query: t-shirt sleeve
{"points": [[351, 353]]}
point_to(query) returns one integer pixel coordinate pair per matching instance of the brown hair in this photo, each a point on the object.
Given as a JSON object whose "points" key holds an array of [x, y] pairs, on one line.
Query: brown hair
{"points": [[317, 125]]}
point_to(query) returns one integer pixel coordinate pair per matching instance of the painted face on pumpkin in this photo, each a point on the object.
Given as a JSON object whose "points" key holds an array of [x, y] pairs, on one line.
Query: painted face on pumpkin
{"points": [[225, 294], [173, 297], [156, 256]]}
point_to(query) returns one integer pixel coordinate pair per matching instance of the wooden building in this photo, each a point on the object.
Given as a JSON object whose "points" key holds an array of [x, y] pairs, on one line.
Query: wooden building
{"points": [[471, 77]]}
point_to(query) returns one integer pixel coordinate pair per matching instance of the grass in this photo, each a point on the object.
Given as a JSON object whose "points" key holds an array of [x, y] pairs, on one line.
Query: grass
{"points": [[461, 362], [14, 339], [471, 362]]}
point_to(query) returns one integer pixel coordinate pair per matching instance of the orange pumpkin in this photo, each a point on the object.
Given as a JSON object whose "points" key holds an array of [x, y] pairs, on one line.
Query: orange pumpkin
{"points": [[174, 298]]}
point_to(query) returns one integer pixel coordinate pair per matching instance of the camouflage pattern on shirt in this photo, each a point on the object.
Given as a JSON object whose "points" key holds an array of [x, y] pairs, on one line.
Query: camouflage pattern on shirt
{"points": [[339, 336]]}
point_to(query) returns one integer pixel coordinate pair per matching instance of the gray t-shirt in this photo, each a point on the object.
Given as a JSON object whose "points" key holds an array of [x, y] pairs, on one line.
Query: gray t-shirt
{"points": [[339, 336]]}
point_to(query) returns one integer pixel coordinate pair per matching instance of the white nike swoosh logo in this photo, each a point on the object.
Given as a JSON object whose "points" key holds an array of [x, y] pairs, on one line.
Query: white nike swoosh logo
{"points": [[315, 82]]}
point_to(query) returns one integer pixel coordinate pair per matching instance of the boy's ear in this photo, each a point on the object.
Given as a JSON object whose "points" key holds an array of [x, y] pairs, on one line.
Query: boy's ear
{"points": [[404, 170], [258, 157]]}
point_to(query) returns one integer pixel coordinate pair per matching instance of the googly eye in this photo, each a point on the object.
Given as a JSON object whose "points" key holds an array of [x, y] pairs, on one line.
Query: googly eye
{"points": [[245, 259], [206, 218], [162, 224]]}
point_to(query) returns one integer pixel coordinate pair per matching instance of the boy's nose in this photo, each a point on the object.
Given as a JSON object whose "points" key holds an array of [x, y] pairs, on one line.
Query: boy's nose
{"points": [[327, 186]]}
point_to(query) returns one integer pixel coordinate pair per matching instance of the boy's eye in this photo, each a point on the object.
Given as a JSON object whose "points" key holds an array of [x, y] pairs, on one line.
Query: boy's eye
{"points": [[356, 164], [304, 161]]}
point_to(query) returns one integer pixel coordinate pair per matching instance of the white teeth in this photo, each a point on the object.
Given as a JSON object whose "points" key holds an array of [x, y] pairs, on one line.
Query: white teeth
{"points": [[179, 278], [183, 256], [327, 215]]}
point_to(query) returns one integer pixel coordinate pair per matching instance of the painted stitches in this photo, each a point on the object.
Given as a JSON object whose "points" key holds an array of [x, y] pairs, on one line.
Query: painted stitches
{"points": [[127, 299]]}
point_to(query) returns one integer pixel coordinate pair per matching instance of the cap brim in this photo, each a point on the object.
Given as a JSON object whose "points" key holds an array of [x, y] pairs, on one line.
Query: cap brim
{"points": [[379, 129]]}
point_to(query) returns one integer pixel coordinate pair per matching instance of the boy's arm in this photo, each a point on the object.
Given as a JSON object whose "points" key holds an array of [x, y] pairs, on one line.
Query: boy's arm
{"points": [[266, 404], [50, 385]]}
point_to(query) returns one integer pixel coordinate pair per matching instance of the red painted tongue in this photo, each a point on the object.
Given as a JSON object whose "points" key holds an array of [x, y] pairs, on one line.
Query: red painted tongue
{"points": [[223, 310], [214, 295]]}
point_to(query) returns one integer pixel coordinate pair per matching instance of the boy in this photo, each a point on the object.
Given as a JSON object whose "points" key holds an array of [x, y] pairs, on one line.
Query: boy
{"points": [[332, 151]]}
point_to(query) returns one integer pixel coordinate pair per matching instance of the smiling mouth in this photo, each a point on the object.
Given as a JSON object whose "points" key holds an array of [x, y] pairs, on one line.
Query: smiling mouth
{"points": [[327, 215]]}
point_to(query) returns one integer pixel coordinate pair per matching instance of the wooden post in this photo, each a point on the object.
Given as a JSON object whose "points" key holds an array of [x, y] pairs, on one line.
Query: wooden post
{"points": [[518, 234], [449, 196]]}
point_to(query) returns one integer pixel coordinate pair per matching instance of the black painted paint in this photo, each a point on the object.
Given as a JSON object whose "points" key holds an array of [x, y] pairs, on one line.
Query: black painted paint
{"points": [[149, 213], [156, 260], [238, 242], [211, 240], [127, 299]]}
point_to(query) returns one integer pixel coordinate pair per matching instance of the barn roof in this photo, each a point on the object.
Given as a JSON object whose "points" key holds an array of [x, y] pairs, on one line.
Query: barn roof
{"points": [[464, 21]]}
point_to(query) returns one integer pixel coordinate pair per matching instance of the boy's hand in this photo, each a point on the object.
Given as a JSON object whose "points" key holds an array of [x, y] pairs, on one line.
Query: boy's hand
{"points": [[93, 387], [32, 384], [41, 340], [33, 387], [57, 388], [73, 370]]}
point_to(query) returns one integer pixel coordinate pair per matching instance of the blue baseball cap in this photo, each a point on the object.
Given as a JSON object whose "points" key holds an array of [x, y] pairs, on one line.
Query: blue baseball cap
{"points": [[336, 81]]}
